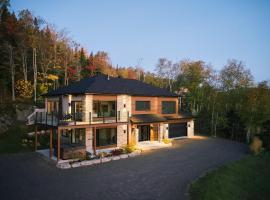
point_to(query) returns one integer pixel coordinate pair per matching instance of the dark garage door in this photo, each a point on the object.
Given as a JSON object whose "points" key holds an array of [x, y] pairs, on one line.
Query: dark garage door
{"points": [[177, 130]]}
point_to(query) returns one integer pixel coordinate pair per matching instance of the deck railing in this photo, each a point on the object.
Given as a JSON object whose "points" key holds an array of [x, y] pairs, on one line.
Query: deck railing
{"points": [[54, 119]]}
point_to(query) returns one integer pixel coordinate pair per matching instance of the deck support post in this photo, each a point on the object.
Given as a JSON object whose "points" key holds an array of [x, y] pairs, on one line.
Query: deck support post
{"points": [[94, 140], [51, 143], [36, 138], [58, 143]]}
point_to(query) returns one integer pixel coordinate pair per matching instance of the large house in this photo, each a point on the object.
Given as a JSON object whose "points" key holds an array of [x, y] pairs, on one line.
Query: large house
{"points": [[104, 112]]}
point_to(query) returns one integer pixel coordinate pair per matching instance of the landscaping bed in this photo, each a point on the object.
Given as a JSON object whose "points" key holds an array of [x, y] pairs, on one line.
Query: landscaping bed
{"points": [[101, 157], [248, 178]]}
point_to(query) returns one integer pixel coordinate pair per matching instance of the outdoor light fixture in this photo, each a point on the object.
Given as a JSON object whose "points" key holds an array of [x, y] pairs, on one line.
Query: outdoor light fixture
{"points": [[124, 131], [69, 104], [124, 105]]}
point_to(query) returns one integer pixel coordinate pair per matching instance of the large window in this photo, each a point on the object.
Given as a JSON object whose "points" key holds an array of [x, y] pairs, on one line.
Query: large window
{"points": [[106, 137], [104, 108], [142, 105], [52, 107], [168, 107], [77, 110], [73, 136]]}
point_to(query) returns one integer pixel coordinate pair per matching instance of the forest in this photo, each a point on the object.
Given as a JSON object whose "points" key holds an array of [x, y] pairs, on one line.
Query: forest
{"points": [[35, 57]]}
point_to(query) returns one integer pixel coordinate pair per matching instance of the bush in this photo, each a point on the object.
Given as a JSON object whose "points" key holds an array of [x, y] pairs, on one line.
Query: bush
{"points": [[102, 154], [265, 140], [117, 152], [256, 145], [166, 141], [44, 140], [129, 148], [24, 88]]}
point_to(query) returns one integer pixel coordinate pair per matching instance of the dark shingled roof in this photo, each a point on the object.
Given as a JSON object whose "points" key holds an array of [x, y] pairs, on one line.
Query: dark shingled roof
{"points": [[147, 118], [155, 118], [102, 84]]}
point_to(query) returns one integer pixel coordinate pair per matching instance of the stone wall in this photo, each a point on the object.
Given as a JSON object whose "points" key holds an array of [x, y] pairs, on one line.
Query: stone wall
{"points": [[190, 128], [121, 135], [89, 139]]}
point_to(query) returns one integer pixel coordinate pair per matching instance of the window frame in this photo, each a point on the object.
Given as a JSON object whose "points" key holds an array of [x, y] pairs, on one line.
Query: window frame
{"points": [[163, 111], [144, 107], [108, 131]]}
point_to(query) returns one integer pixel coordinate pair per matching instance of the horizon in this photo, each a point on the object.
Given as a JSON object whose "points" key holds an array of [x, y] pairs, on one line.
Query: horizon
{"points": [[139, 33]]}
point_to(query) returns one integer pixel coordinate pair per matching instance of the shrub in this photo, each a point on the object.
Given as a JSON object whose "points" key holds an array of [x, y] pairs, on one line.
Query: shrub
{"points": [[265, 140], [102, 154], [166, 141], [256, 145], [129, 148], [117, 152], [44, 140], [24, 88]]}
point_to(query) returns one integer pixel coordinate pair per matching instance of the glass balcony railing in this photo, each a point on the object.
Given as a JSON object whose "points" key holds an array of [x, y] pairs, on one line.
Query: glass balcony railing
{"points": [[54, 119]]}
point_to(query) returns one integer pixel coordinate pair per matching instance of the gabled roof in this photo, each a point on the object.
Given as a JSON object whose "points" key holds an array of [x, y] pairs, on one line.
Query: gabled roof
{"points": [[102, 84]]}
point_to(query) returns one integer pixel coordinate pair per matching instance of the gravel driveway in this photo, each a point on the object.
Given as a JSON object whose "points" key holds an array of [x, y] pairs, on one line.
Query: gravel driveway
{"points": [[159, 174]]}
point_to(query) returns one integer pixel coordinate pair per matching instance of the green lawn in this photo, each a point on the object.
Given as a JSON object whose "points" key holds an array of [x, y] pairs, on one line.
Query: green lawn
{"points": [[247, 179], [11, 141]]}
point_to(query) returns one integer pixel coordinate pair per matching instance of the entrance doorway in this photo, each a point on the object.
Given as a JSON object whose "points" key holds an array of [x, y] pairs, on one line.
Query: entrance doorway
{"points": [[144, 132]]}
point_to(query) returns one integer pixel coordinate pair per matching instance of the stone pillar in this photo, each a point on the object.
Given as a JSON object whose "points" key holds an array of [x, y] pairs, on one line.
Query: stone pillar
{"points": [[190, 128], [89, 139], [121, 135], [136, 132], [166, 131], [160, 132]]}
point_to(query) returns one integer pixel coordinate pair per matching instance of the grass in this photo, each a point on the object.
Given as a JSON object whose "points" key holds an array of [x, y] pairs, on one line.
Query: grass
{"points": [[11, 141], [247, 179]]}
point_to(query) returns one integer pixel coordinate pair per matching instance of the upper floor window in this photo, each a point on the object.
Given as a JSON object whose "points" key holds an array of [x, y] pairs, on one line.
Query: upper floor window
{"points": [[143, 105], [77, 110], [104, 108], [52, 107], [168, 107]]}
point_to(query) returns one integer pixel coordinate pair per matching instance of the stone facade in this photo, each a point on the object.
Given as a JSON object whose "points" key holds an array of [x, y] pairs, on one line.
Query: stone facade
{"points": [[89, 139], [190, 128], [121, 135], [124, 106]]}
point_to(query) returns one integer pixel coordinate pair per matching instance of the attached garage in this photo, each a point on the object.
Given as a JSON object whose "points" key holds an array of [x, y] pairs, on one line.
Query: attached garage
{"points": [[177, 130]]}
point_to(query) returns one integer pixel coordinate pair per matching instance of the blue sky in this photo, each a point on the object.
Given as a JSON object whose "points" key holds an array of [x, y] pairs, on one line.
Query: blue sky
{"points": [[140, 32]]}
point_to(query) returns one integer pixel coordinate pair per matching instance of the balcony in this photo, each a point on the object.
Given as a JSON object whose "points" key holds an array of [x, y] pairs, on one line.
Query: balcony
{"points": [[80, 118]]}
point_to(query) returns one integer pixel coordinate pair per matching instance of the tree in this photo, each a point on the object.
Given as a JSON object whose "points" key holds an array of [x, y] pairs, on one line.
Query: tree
{"points": [[166, 69], [234, 75], [24, 88]]}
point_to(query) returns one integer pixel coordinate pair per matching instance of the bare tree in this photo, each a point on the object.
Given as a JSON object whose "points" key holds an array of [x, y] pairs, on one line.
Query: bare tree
{"points": [[24, 63], [12, 70], [35, 73], [166, 69]]}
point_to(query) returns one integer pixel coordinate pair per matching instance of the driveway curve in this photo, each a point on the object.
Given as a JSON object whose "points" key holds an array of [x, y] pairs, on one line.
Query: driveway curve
{"points": [[159, 174]]}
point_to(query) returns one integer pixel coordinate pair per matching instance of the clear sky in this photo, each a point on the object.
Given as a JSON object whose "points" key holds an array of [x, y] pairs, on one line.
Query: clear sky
{"points": [[140, 32]]}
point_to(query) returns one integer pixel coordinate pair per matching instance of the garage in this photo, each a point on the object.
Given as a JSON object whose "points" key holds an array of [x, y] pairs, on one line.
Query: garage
{"points": [[177, 130]]}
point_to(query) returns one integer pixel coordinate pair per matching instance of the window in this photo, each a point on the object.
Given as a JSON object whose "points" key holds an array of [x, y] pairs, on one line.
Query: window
{"points": [[104, 108], [168, 107], [73, 136], [52, 106], [142, 105], [77, 110], [106, 137]]}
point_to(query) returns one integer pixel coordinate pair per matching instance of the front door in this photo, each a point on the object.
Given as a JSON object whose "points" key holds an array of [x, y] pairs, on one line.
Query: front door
{"points": [[144, 132]]}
